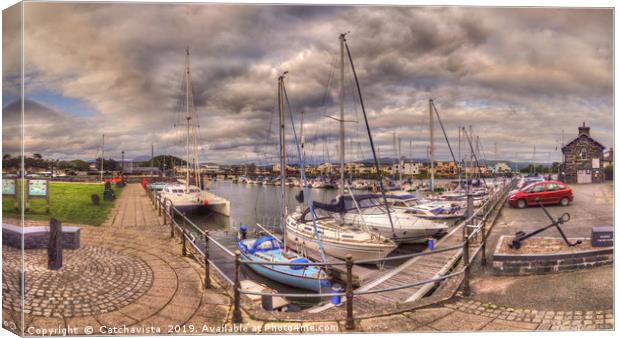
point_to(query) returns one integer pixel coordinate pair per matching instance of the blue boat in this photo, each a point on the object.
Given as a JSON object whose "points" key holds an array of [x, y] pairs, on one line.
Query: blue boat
{"points": [[270, 249]]}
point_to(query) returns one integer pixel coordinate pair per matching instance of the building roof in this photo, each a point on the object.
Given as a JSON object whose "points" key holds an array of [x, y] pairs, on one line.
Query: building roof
{"points": [[571, 143]]}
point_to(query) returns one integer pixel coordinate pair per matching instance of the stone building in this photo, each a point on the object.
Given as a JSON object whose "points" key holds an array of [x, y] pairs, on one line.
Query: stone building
{"points": [[583, 159]]}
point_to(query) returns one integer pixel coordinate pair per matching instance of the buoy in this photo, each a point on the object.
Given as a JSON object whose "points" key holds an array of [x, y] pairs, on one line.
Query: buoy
{"points": [[205, 202]]}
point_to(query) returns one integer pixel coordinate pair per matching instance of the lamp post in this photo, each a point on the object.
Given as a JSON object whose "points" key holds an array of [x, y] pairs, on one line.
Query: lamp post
{"points": [[122, 162]]}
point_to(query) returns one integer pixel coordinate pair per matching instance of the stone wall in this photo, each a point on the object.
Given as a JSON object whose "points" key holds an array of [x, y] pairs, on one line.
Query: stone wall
{"points": [[536, 264]]}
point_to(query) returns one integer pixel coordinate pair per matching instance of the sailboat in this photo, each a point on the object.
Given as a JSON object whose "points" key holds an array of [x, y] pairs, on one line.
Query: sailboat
{"points": [[185, 196], [268, 248], [337, 237]]}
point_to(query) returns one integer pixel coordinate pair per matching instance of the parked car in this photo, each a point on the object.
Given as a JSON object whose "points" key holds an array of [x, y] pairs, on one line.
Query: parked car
{"points": [[549, 192], [527, 180]]}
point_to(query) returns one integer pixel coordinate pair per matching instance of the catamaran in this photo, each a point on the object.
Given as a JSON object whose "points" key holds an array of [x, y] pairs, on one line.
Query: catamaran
{"points": [[184, 195]]}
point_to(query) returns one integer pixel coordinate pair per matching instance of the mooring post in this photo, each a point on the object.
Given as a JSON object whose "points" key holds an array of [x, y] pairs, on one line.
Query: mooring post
{"points": [[207, 267], [54, 246], [236, 294], [350, 323]]}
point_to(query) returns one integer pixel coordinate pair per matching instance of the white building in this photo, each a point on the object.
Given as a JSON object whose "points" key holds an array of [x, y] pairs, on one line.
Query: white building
{"points": [[411, 168], [501, 167]]}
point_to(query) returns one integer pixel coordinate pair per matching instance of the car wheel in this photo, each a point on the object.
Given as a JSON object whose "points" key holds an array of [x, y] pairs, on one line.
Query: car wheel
{"points": [[521, 204], [564, 201]]}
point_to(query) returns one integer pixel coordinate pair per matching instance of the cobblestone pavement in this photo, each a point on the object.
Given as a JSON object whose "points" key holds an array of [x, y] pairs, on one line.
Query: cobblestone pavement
{"points": [[165, 292], [129, 264], [94, 280]]}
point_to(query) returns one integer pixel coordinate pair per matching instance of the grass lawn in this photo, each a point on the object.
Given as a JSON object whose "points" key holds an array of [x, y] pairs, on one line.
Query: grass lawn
{"points": [[69, 202]]}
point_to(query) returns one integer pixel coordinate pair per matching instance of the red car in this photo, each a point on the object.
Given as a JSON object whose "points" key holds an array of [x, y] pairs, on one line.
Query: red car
{"points": [[549, 192]]}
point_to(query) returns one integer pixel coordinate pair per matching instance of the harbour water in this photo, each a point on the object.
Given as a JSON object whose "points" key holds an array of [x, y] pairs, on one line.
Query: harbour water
{"points": [[251, 204]]}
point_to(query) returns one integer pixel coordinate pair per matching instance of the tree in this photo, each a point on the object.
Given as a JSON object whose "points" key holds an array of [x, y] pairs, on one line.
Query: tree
{"points": [[166, 162], [79, 165]]}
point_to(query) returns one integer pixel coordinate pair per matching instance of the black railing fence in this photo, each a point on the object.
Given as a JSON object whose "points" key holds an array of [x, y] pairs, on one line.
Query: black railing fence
{"points": [[199, 243]]}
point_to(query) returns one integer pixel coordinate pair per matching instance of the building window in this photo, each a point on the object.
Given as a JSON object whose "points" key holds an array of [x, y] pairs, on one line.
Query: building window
{"points": [[584, 154]]}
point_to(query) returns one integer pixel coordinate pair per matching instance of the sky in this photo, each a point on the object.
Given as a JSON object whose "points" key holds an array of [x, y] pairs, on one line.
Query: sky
{"points": [[521, 77]]}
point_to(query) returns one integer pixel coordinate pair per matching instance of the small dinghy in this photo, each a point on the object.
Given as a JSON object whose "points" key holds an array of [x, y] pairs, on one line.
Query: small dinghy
{"points": [[269, 249]]}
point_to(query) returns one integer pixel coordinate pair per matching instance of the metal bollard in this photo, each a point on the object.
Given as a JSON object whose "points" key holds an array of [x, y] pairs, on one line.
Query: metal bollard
{"points": [[350, 323], [236, 294], [207, 267]]}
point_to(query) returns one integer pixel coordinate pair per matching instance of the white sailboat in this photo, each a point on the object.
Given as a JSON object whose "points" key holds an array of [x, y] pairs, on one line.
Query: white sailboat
{"points": [[337, 237], [185, 196]]}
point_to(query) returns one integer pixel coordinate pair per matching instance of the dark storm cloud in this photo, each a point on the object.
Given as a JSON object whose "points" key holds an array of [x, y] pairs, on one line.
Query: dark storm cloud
{"points": [[519, 76]]}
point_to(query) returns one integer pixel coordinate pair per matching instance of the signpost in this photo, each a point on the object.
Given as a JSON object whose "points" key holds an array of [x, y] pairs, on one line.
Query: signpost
{"points": [[38, 189], [9, 190]]}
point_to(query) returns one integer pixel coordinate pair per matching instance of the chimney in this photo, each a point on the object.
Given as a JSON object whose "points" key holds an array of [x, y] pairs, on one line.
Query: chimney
{"points": [[584, 130]]}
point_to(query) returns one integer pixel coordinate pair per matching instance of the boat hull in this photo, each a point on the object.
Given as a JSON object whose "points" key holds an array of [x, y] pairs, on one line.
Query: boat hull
{"points": [[271, 272], [336, 249]]}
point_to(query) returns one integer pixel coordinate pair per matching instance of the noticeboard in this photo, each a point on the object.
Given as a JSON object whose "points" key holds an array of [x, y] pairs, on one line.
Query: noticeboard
{"points": [[37, 188], [8, 186]]}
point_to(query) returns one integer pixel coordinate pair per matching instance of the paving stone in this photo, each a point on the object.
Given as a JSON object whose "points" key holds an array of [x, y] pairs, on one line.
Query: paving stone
{"points": [[506, 325], [460, 321], [429, 315], [396, 323]]}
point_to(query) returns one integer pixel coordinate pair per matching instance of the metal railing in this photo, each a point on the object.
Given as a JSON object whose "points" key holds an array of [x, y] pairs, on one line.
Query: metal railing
{"points": [[473, 226], [170, 213]]}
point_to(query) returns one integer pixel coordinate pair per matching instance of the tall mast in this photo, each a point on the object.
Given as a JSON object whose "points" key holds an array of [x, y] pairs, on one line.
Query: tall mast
{"points": [[102, 153], [188, 157], [395, 155], [341, 186], [400, 171], [188, 117], [431, 150], [301, 137], [459, 163], [282, 153]]}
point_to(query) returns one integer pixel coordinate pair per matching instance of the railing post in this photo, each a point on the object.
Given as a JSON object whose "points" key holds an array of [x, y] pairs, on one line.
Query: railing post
{"points": [[350, 323], [236, 294], [171, 221], [466, 289], [207, 267], [183, 239], [165, 212], [158, 206], [483, 232]]}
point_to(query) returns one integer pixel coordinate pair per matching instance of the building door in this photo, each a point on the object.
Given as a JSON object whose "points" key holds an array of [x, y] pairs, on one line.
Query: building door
{"points": [[584, 176]]}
